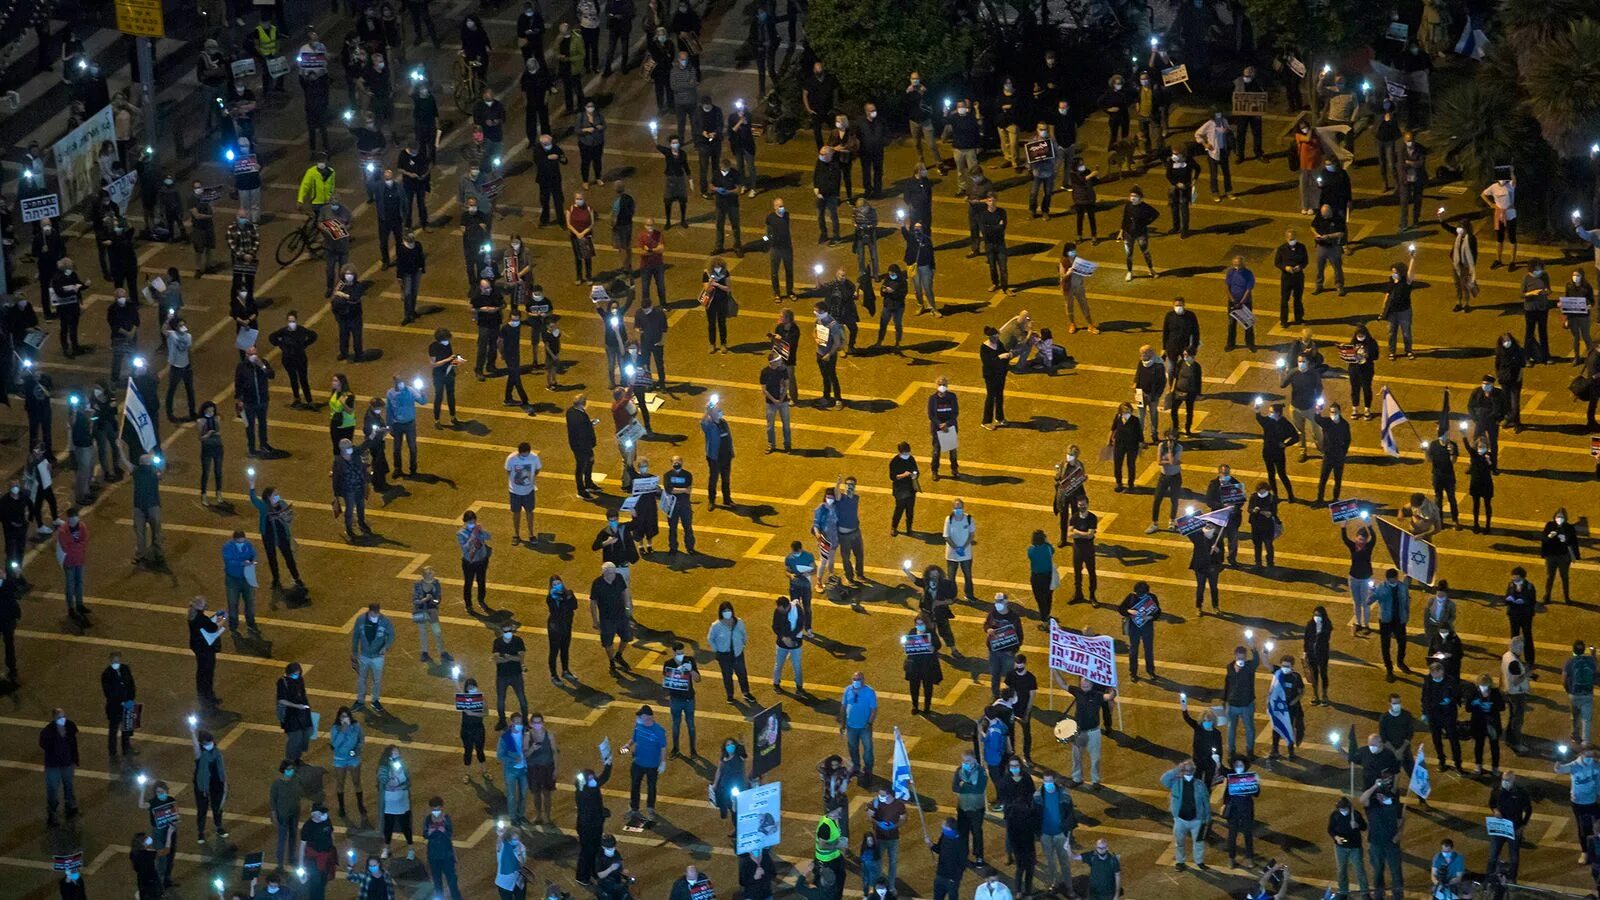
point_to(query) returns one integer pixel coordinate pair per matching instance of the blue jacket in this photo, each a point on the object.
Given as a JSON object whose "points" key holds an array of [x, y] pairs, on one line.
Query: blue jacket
{"points": [[382, 639], [402, 404], [847, 511], [1174, 783], [347, 744], [1394, 601], [507, 752], [713, 436], [234, 556], [826, 521]]}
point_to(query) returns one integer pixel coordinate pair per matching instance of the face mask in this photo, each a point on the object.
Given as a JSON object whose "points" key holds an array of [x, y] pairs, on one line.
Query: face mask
{"points": [[1209, 532], [1188, 777], [349, 277], [578, 203], [293, 326], [856, 683], [374, 869], [1207, 725], [209, 746], [921, 628], [506, 635], [611, 851], [1000, 607], [678, 658], [1394, 708], [1561, 520]]}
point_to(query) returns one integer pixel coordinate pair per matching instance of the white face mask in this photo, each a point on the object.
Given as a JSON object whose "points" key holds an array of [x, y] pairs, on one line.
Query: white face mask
{"points": [[1561, 520]]}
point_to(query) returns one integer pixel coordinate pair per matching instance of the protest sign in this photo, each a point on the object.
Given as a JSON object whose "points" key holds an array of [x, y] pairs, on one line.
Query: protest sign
{"points": [[44, 206], [1094, 658], [77, 157], [758, 817], [766, 740]]}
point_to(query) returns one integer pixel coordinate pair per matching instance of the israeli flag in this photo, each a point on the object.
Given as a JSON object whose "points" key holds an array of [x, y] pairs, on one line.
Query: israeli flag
{"points": [[134, 413], [1278, 711], [1421, 782], [904, 788], [1393, 417], [1412, 555]]}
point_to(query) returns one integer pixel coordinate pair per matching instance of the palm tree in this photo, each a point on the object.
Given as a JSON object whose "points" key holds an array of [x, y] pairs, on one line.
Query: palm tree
{"points": [[1560, 83]]}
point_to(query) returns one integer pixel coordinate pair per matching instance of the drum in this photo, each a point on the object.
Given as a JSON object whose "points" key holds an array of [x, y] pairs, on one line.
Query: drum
{"points": [[1066, 730]]}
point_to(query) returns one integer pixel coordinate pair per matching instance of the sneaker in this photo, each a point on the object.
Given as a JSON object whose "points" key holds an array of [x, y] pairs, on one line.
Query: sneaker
{"points": [[1152, 529], [378, 708]]}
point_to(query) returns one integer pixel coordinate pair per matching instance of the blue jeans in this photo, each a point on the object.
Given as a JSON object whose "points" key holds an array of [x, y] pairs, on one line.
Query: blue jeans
{"points": [[1248, 715], [682, 708], [887, 315], [238, 590], [1360, 594], [871, 873], [889, 852], [860, 742], [516, 790], [74, 587], [793, 656], [404, 433], [443, 870], [922, 281], [683, 513], [1400, 324]]}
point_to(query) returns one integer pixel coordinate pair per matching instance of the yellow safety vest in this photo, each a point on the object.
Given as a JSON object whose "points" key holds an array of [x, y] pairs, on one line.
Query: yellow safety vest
{"points": [[827, 839], [267, 39]]}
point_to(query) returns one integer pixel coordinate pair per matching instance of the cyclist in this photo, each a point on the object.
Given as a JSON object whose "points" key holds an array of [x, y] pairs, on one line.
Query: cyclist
{"points": [[317, 185]]}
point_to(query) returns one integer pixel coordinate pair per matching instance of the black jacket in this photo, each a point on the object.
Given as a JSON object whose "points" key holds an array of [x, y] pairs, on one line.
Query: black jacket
{"points": [[1335, 438], [580, 431], [590, 802], [1316, 640], [118, 687], [60, 745], [292, 342], [1276, 436], [252, 384], [1179, 333]]}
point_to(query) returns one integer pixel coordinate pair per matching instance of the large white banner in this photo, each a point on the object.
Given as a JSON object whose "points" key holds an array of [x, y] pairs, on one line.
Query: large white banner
{"points": [[77, 158], [758, 817], [1094, 658]]}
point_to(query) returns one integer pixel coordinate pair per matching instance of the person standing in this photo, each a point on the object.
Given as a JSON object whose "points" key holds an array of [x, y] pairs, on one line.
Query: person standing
{"points": [[791, 624], [1315, 652], [58, 740], [611, 607], [370, 640], [205, 629], [238, 567], [274, 520], [1441, 705], [512, 751], [294, 716], [679, 674], [719, 455], [1137, 217], [1091, 707], [251, 392], [648, 746], [1393, 597], [292, 342], [1239, 697], [1516, 686], [1190, 805], [210, 779], [581, 440], [1291, 260], [995, 365], [858, 710], [508, 651], [120, 692], [1345, 826], [1397, 308], [473, 541], [1411, 181], [1522, 602], [1584, 791], [1294, 688], [1577, 679], [1386, 818], [285, 796]]}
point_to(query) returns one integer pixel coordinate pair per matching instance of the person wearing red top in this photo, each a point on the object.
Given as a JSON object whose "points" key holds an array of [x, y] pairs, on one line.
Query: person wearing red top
{"points": [[580, 230], [72, 545], [652, 249]]}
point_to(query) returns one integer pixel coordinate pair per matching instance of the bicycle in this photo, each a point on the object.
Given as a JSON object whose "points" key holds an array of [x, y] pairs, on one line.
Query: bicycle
{"points": [[469, 84], [306, 238]]}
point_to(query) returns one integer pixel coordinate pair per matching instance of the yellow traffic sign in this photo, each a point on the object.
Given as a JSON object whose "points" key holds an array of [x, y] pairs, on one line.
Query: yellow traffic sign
{"points": [[140, 17]]}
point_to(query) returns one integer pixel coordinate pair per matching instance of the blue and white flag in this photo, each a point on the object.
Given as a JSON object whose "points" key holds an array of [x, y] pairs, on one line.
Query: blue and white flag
{"points": [[1412, 555], [1278, 711], [904, 787], [1393, 417], [134, 413], [1421, 783]]}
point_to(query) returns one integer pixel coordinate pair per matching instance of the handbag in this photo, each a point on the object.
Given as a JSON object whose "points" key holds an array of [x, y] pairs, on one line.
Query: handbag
{"points": [[1055, 578], [586, 247]]}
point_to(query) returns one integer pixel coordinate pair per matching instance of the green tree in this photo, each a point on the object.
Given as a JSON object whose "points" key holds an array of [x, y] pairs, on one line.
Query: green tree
{"points": [[871, 45], [1560, 80], [1479, 124], [1318, 27]]}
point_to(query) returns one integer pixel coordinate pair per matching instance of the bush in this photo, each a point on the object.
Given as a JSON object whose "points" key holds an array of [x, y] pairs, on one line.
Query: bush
{"points": [[1478, 125], [1314, 27], [1560, 82], [872, 45]]}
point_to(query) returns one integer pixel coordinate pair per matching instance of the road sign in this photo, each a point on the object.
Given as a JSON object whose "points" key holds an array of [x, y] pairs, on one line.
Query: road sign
{"points": [[142, 18], [44, 206]]}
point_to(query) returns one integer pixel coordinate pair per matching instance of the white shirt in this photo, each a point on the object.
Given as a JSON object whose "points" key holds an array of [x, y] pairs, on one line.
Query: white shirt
{"points": [[520, 472], [1504, 198], [996, 891]]}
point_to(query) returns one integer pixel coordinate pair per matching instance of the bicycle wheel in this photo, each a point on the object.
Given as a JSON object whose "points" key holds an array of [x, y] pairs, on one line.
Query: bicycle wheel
{"points": [[290, 248], [465, 92]]}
